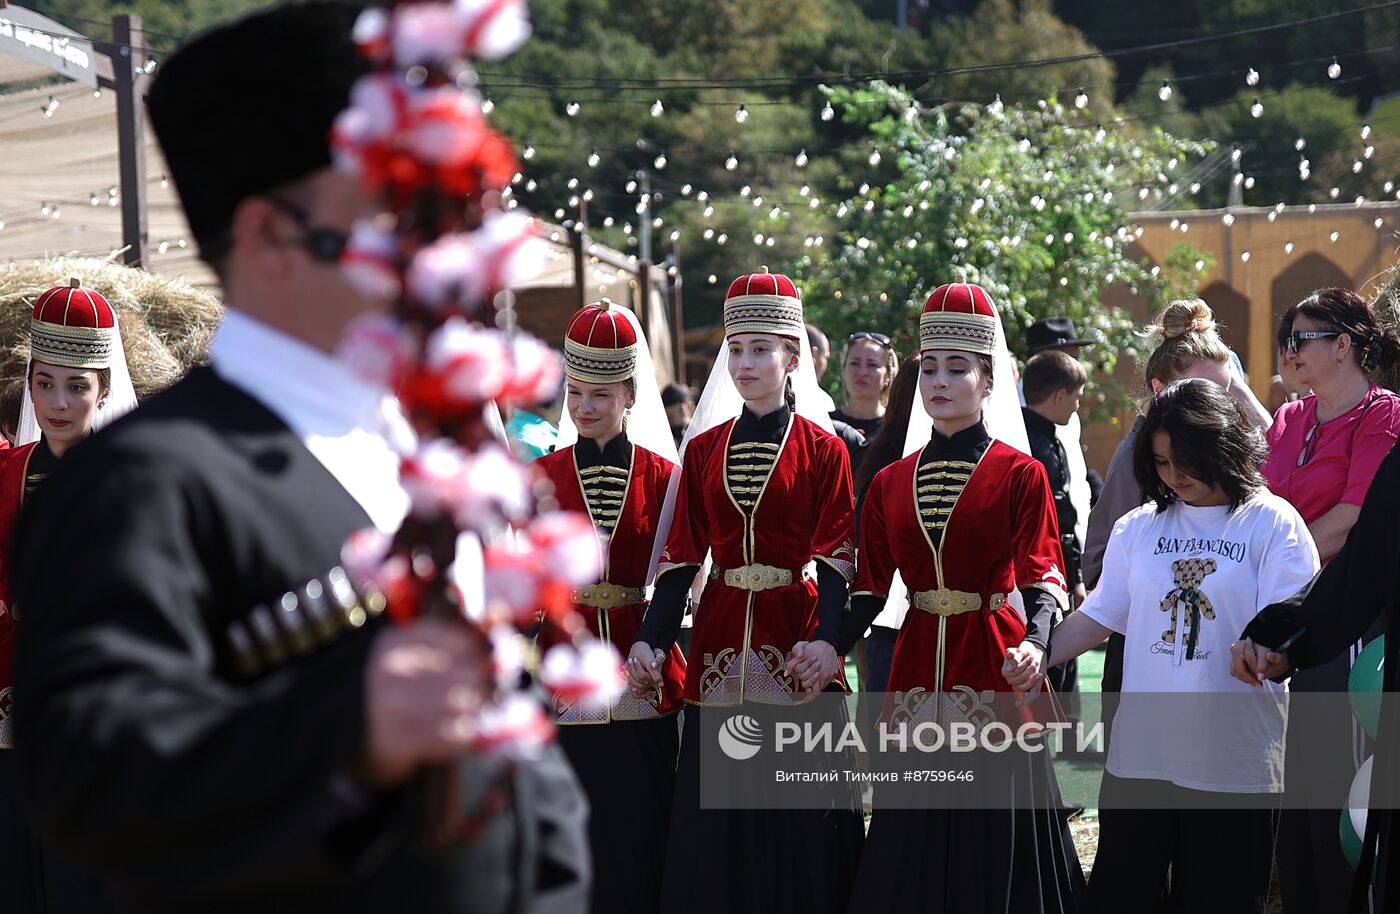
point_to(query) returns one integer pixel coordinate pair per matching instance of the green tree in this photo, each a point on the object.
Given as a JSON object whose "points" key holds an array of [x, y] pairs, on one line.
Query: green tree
{"points": [[1002, 30], [1327, 122], [1013, 198]]}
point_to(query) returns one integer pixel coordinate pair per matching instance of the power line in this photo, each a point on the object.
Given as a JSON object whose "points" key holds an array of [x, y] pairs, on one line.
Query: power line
{"points": [[696, 83]]}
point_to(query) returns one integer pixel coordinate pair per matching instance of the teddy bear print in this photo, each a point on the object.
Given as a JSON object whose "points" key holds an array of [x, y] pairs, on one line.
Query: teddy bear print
{"points": [[1192, 602]]}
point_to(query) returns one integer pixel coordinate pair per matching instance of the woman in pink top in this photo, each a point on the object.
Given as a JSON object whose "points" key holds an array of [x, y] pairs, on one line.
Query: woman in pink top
{"points": [[1324, 451]]}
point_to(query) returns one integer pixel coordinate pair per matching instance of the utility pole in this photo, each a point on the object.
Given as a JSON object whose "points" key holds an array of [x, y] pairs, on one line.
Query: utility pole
{"points": [[129, 81], [644, 230]]}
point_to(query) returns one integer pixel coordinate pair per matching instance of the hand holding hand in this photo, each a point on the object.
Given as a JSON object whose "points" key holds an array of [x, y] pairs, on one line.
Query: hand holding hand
{"points": [[813, 664], [1024, 669], [1254, 664], [644, 669]]}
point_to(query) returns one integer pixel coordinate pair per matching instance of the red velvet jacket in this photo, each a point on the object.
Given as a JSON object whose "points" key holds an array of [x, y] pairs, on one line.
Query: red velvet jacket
{"points": [[627, 558], [1000, 537], [805, 511], [14, 464]]}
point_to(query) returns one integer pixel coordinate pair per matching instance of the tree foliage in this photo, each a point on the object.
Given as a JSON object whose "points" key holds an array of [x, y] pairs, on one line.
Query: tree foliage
{"points": [[1014, 198]]}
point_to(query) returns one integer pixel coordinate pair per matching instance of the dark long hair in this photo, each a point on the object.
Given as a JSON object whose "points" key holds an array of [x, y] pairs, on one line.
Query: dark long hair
{"points": [[1374, 345], [888, 444], [1212, 440]]}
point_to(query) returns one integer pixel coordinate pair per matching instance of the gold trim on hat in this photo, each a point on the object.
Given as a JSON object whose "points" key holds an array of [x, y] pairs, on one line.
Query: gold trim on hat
{"points": [[777, 314], [958, 330], [72, 347], [595, 365]]}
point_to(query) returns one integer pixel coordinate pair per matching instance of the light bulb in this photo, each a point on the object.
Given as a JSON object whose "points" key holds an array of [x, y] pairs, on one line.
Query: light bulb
{"points": [[1165, 93], [1300, 144], [659, 161], [1334, 69], [731, 163], [742, 114], [657, 109], [594, 159], [874, 157], [1100, 133], [529, 152], [571, 109], [1252, 77], [911, 114], [996, 107], [1256, 110], [801, 160], [487, 106], [828, 112], [685, 190], [1081, 99]]}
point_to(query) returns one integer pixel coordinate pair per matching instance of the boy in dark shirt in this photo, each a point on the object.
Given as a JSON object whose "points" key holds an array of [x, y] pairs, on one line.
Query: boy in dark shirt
{"points": [[1053, 382]]}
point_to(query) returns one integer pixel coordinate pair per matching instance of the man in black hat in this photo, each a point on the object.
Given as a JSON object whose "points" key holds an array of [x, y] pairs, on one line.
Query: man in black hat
{"points": [[679, 401], [1054, 333], [1057, 334], [208, 714]]}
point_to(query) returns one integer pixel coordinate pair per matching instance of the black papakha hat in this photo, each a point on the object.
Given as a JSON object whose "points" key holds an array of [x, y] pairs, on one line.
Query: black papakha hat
{"points": [[1052, 333], [248, 106]]}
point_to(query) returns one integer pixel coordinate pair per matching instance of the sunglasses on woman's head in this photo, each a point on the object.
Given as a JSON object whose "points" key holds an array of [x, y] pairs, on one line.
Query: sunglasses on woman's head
{"points": [[1297, 338], [870, 335]]}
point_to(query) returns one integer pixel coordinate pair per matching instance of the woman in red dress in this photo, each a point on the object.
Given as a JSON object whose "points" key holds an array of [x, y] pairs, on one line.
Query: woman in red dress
{"points": [[765, 490], [968, 521], [617, 472], [76, 381]]}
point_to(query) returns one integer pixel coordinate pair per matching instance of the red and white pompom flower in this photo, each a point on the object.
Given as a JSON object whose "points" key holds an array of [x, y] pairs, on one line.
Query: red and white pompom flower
{"points": [[514, 728], [473, 548], [590, 676], [378, 349]]}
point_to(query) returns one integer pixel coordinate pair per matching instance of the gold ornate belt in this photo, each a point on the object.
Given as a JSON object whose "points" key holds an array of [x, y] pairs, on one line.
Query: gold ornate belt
{"points": [[945, 602], [607, 595], [755, 577]]}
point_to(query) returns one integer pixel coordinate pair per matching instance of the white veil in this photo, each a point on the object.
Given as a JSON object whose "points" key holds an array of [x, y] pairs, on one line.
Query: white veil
{"points": [[121, 398], [720, 400], [1002, 414], [647, 425], [1001, 411]]}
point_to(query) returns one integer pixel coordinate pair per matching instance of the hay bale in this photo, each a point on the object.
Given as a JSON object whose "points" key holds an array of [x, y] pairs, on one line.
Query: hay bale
{"points": [[166, 323]]}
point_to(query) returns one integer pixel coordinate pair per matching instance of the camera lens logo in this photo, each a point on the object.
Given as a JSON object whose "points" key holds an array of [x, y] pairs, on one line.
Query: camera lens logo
{"points": [[740, 737]]}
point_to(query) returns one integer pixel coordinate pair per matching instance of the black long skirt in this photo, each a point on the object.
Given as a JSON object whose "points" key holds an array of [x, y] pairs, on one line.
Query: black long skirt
{"points": [[974, 861], [778, 861], [628, 772]]}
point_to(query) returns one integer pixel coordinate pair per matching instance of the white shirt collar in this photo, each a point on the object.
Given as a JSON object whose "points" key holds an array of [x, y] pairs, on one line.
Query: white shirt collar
{"points": [[346, 422], [309, 390]]}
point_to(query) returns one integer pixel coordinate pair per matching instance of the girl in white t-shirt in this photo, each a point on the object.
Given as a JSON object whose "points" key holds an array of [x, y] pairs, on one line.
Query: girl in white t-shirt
{"points": [[1196, 757]]}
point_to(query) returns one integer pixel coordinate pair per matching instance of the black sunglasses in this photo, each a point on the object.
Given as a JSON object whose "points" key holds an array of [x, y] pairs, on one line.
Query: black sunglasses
{"points": [[1297, 338], [871, 335], [324, 245]]}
